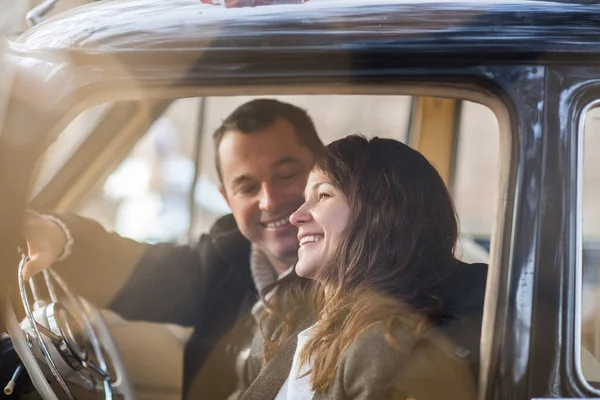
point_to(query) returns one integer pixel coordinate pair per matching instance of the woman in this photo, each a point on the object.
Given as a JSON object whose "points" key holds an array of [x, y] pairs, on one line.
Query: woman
{"points": [[353, 320]]}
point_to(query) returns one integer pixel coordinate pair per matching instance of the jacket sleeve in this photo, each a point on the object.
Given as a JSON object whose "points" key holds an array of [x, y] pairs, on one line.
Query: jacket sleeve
{"points": [[158, 283], [425, 369], [100, 262], [369, 367]]}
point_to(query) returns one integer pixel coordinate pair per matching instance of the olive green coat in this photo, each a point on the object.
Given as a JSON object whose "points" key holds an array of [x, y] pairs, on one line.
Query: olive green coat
{"points": [[427, 368]]}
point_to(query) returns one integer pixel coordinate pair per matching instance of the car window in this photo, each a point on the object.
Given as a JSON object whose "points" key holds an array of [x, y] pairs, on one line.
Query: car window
{"points": [[67, 142], [476, 177], [590, 251], [148, 196]]}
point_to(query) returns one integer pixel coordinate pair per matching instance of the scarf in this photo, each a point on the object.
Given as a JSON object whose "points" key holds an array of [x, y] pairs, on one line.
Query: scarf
{"points": [[262, 270]]}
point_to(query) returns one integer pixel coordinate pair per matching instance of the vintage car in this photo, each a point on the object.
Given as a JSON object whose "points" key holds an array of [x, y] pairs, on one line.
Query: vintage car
{"points": [[107, 109]]}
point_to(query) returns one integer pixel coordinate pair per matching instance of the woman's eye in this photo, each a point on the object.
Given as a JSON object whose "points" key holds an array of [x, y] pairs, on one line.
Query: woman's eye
{"points": [[322, 196]]}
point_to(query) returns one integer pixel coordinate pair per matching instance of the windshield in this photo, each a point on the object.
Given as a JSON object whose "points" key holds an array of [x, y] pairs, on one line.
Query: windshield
{"points": [[66, 144]]}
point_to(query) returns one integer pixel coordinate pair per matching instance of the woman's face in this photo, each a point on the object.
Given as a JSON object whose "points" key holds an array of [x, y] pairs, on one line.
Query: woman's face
{"points": [[321, 221]]}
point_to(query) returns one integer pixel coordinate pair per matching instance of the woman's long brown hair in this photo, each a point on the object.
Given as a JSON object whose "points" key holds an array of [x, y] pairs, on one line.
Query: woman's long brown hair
{"points": [[397, 247]]}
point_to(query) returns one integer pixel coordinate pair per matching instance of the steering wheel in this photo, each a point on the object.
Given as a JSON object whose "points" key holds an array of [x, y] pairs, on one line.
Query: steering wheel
{"points": [[65, 339]]}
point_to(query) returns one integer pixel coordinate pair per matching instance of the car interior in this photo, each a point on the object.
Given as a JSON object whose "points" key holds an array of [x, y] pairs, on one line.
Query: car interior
{"points": [[162, 185]]}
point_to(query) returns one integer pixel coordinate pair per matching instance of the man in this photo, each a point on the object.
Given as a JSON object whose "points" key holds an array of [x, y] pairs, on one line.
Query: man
{"points": [[264, 151]]}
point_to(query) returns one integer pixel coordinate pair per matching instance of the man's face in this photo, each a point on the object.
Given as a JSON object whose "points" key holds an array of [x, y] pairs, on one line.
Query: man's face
{"points": [[264, 175]]}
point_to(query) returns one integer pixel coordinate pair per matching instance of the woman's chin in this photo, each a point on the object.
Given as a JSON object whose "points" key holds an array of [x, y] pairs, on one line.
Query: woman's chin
{"points": [[304, 271]]}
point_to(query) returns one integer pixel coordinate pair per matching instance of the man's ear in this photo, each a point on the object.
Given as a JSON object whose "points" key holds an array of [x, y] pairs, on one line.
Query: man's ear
{"points": [[224, 194]]}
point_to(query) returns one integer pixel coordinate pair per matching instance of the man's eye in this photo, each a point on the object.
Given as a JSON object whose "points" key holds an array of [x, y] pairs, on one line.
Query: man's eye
{"points": [[247, 189]]}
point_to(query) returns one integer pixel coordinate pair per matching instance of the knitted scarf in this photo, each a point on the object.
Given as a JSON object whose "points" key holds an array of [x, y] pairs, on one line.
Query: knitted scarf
{"points": [[262, 270]]}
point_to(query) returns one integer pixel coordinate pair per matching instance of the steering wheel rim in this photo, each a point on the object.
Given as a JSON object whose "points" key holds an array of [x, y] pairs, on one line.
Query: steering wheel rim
{"points": [[45, 335], [21, 345]]}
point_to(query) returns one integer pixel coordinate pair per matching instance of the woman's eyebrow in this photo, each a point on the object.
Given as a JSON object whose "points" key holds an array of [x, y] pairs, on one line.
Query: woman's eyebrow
{"points": [[314, 187]]}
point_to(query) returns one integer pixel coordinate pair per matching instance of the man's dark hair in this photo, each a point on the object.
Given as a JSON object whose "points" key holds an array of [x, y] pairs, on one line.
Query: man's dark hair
{"points": [[258, 115]]}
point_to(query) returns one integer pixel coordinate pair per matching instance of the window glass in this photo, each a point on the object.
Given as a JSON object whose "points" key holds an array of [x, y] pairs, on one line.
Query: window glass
{"points": [[68, 141], [147, 196], [476, 179], [590, 212]]}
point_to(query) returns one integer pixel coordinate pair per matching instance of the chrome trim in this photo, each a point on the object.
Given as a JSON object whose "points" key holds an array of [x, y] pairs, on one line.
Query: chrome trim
{"points": [[95, 342], [36, 14], [37, 301], [51, 319], [38, 336], [64, 347], [50, 286], [59, 336], [579, 248]]}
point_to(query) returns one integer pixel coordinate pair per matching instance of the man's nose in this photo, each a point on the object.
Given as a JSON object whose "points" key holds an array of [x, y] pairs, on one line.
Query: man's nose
{"points": [[269, 199]]}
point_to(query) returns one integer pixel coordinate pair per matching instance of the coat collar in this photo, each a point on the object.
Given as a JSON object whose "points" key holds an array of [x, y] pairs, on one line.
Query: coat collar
{"points": [[270, 379]]}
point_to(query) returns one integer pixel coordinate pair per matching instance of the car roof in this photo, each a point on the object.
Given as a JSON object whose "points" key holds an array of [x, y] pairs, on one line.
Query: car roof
{"points": [[124, 44], [405, 25]]}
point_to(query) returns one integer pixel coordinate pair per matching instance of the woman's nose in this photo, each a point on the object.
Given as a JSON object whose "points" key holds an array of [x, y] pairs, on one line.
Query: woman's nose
{"points": [[300, 216]]}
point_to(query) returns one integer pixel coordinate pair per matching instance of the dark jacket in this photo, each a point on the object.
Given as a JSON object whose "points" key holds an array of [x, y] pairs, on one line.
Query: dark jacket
{"points": [[208, 285]]}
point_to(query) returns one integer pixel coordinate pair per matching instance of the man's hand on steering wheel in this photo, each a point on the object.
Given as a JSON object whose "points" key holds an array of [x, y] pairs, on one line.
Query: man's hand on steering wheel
{"points": [[46, 242], [63, 339]]}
